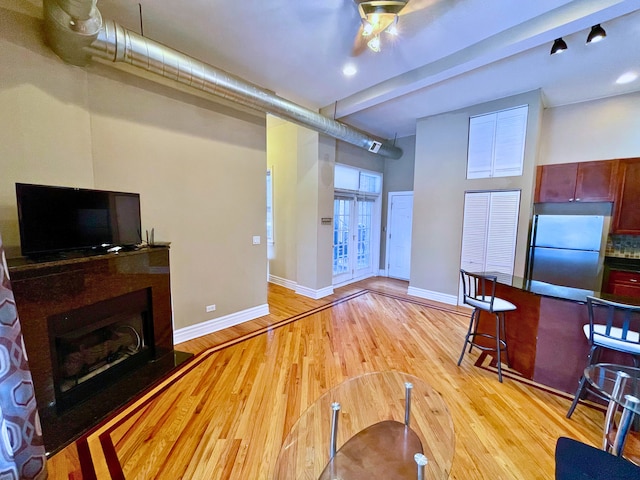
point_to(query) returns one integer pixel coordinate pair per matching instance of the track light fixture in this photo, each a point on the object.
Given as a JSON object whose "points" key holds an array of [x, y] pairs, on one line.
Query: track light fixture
{"points": [[559, 45], [596, 34]]}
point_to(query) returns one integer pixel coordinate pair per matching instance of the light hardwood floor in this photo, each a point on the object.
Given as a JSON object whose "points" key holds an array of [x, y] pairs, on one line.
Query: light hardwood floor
{"points": [[226, 413]]}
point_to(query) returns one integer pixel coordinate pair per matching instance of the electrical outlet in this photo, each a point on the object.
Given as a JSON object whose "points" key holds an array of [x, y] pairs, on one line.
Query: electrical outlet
{"points": [[210, 308], [256, 239]]}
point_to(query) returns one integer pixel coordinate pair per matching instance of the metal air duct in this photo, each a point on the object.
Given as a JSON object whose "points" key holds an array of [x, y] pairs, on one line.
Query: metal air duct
{"points": [[76, 32]]}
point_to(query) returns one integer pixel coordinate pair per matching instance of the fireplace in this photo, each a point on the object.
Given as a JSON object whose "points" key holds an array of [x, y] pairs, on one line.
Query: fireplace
{"points": [[93, 346], [97, 330]]}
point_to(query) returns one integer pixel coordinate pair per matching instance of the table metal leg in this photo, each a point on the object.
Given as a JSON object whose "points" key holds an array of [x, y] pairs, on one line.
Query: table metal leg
{"points": [[621, 381], [631, 403]]}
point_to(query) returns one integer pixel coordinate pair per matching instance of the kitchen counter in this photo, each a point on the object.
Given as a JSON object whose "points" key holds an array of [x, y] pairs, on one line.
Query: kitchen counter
{"points": [[545, 336], [565, 293]]}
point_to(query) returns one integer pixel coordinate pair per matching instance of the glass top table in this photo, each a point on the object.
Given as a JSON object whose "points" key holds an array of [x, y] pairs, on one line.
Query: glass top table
{"points": [[371, 436], [620, 384], [617, 383]]}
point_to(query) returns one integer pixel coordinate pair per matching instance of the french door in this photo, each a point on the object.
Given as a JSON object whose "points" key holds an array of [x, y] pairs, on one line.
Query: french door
{"points": [[355, 246]]}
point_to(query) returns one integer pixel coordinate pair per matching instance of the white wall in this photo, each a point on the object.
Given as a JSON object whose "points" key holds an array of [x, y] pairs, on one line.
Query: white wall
{"points": [[598, 130]]}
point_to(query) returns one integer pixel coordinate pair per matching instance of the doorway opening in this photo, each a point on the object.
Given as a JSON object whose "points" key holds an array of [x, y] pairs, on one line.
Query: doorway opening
{"points": [[356, 224]]}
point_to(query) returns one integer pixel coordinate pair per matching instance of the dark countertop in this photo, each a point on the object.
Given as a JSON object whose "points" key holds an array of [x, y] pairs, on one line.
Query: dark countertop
{"points": [[622, 263], [65, 258], [558, 291]]}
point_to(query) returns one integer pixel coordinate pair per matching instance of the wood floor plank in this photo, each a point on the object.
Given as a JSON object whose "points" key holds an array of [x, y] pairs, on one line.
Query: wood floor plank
{"points": [[227, 416]]}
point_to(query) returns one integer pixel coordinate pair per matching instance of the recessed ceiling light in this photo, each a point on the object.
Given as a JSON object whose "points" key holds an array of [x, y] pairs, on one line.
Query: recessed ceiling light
{"points": [[627, 78], [349, 70]]}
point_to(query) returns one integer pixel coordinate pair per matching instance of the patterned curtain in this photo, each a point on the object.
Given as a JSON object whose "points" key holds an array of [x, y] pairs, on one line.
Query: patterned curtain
{"points": [[22, 453]]}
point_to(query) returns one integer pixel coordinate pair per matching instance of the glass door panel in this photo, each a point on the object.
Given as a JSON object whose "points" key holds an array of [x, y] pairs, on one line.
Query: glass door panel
{"points": [[352, 238], [341, 228], [365, 219]]}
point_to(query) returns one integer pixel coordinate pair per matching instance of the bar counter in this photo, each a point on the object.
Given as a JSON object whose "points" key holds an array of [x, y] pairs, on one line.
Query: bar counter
{"points": [[545, 336]]}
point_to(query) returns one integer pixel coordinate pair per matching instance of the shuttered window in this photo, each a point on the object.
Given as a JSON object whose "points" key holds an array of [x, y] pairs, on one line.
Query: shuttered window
{"points": [[489, 231], [496, 143]]}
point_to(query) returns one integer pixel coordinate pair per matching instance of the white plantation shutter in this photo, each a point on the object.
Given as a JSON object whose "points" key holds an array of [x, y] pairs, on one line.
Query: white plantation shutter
{"points": [[511, 128], [496, 143], [481, 139], [489, 231]]}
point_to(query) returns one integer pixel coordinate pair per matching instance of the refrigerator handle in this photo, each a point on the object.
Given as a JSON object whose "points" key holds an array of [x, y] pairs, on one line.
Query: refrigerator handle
{"points": [[532, 242]]}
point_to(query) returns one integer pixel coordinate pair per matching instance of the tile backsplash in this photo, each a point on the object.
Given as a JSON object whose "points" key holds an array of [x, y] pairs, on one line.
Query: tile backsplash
{"points": [[627, 246]]}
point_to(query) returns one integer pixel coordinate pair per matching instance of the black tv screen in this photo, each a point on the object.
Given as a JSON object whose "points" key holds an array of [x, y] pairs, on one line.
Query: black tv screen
{"points": [[55, 219]]}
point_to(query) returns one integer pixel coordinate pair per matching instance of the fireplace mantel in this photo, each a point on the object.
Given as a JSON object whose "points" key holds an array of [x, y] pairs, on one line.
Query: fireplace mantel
{"points": [[45, 290]]}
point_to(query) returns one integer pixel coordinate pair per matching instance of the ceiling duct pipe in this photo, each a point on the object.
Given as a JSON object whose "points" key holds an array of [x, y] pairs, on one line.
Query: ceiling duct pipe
{"points": [[76, 32]]}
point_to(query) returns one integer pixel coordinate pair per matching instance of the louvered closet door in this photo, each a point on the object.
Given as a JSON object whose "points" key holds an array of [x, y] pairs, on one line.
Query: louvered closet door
{"points": [[474, 232], [490, 230], [502, 232]]}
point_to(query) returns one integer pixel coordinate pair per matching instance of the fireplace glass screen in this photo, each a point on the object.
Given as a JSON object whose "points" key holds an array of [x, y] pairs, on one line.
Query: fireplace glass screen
{"points": [[83, 356], [95, 345]]}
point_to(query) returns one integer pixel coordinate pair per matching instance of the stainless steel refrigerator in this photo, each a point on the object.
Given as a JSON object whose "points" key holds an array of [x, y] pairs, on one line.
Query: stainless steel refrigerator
{"points": [[565, 250]]}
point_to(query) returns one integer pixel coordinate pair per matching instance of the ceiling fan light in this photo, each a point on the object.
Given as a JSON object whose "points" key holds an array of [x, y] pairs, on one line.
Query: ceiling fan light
{"points": [[393, 28], [596, 34], [559, 45], [374, 44], [367, 28]]}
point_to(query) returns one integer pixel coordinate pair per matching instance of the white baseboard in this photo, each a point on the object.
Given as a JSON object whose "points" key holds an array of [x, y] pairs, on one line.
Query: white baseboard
{"points": [[311, 293], [283, 282], [435, 296], [299, 289], [210, 326]]}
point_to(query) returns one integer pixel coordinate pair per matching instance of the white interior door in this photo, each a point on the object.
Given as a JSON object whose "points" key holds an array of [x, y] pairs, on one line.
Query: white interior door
{"points": [[399, 224]]}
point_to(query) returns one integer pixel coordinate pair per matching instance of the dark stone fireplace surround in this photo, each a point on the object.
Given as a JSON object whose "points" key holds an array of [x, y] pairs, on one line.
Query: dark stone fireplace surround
{"points": [[50, 293]]}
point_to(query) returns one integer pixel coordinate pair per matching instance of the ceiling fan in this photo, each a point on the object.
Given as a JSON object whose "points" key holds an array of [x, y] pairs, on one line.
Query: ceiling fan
{"points": [[378, 17]]}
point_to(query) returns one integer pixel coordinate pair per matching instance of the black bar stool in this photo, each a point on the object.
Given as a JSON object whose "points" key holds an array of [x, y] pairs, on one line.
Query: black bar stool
{"points": [[479, 291], [614, 326]]}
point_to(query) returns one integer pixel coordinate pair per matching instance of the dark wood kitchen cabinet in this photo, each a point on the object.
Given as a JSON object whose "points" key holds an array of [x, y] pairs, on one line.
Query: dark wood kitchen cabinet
{"points": [[577, 182], [626, 217], [626, 284]]}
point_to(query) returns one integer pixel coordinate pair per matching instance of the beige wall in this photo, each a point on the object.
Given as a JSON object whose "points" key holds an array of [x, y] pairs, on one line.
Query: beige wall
{"points": [[282, 156], [599, 130], [348, 154], [44, 123], [303, 163], [199, 167], [326, 166], [307, 205], [439, 186]]}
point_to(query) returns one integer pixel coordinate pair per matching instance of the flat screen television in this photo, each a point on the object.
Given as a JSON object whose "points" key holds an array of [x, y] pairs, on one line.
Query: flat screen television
{"points": [[58, 219]]}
